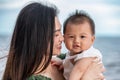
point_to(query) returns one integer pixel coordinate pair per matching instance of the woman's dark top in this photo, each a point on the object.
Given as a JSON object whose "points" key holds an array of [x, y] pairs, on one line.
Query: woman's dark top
{"points": [[38, 77]]}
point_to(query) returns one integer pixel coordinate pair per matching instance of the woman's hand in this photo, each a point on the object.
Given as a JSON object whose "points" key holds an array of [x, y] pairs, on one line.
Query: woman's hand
{"points": [[94, 71]]}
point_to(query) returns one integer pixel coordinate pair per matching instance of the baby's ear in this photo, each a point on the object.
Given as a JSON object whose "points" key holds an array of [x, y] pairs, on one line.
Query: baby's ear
{"points": [[93, 38]]}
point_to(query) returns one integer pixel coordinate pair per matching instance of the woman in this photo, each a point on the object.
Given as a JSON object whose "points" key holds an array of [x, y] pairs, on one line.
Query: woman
{"points": [[36, 38]]}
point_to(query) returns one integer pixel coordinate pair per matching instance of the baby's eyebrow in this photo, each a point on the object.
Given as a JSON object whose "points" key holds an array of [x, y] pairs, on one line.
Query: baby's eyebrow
{"points": [[69, 34], [83, 33]]}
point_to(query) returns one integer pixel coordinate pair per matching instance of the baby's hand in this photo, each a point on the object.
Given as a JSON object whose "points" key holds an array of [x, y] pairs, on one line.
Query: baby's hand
{"points": [[57, 62]]}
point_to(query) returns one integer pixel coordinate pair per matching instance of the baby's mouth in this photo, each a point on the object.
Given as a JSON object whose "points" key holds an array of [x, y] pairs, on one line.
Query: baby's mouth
{"points": [[76, 46]]}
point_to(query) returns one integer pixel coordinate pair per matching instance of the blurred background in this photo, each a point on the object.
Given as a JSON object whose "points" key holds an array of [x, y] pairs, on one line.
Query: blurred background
{"points": [[105, 13]]}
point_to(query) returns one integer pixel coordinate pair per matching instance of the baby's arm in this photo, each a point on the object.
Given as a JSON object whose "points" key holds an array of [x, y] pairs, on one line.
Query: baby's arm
{"points": [[56, 61], [79, 68]]}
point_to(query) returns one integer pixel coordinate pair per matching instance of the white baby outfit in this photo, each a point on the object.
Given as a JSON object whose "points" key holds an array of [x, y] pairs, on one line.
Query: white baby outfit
{"points": [[91, 52]]}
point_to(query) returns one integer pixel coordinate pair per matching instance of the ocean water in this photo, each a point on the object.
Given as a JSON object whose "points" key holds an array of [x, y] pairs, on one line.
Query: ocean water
{"points": [[109, 46]]}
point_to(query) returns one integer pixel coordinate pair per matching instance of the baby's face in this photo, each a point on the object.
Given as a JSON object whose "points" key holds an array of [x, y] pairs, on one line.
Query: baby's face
{"points": [[78, 37]]}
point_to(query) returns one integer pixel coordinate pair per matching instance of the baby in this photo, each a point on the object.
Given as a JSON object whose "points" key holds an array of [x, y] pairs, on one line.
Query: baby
{"points": [[79, 36]]}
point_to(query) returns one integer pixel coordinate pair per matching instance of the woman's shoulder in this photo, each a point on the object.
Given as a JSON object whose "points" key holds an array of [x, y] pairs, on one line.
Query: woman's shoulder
{"points": [[38, 77]]}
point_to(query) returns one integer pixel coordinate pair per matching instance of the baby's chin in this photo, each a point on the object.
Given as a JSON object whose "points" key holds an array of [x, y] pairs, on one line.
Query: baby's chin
{"points": [[77, 52]]}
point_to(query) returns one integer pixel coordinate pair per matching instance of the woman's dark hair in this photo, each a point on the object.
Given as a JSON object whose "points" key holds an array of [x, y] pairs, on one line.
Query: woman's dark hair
{"points": [[32, 36], [79, 17]]}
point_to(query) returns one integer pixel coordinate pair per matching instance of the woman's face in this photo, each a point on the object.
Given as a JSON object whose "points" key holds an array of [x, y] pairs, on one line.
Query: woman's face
{"points": [[58, 38]]}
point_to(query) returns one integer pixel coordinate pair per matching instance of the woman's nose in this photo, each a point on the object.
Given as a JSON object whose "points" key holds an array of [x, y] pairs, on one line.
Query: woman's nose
{"points": [[61, 38]]}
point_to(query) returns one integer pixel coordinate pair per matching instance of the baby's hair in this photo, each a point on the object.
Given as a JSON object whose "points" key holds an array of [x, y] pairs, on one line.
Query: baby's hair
{"points": [[79, 17]]}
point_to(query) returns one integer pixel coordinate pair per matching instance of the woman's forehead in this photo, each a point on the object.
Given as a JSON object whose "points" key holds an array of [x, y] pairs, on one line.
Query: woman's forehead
{"points": [[57, 24]]}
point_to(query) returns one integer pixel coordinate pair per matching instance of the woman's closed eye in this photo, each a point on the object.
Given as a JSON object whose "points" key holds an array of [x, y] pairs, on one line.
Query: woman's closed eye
{"points": [[56, 34]]}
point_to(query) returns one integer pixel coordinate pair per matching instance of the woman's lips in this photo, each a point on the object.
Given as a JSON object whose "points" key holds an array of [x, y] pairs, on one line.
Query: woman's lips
{"points": [[60, 47]]}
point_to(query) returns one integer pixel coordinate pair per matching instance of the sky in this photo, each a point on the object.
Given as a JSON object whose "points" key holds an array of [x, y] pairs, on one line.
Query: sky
{"points": [[105, 13]]}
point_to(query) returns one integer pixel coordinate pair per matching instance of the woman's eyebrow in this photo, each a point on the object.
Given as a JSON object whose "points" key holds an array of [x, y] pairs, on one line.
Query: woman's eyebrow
{"points": [[57, 30]]}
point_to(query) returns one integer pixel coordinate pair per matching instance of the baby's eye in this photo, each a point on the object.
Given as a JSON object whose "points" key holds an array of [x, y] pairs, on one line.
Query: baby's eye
{"points": [[71, 36], [82, 36]]}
